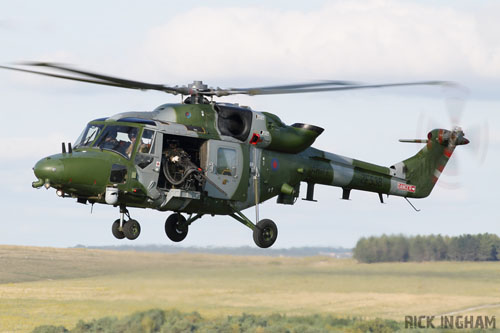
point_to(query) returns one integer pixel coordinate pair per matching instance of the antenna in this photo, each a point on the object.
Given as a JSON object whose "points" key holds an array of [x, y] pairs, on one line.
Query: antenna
{"points": [[417, 210]]}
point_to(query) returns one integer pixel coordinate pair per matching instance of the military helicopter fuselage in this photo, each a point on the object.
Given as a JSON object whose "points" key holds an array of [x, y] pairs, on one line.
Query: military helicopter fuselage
{"points": [[202, 157], [221, 142]]}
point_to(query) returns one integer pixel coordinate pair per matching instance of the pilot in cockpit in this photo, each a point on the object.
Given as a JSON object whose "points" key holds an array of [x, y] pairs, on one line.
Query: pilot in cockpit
{"points": [[132, 135], [110, 141]]}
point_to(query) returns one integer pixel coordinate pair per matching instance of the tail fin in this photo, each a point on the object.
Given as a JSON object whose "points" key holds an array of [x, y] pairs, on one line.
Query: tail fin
{"points": [[422, 171]]}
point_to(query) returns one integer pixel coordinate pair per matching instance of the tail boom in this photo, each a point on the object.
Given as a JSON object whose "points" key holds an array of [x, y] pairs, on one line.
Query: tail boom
{"points": [[414, 177]]}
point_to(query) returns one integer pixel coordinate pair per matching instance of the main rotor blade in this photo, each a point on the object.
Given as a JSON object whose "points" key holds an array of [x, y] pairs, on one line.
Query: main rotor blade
{"points": [[314, 88], [302, 85], [64, 77], [202, 90], [102, 79]]}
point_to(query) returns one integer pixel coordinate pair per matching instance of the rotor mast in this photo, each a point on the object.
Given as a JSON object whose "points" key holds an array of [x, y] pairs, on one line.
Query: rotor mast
{"points": [[194, 90]]}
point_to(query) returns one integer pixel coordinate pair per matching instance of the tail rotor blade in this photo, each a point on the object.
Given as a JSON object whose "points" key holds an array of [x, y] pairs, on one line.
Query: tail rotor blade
{"points": [[479, 141], [455, 98]]}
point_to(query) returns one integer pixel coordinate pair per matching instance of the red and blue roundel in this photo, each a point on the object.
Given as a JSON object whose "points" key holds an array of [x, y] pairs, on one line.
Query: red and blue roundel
{"points": [[188, 115], [275, 164]]}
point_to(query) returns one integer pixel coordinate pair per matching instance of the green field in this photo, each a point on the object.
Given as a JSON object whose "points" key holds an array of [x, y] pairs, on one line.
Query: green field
{"points": [[60, 286]]}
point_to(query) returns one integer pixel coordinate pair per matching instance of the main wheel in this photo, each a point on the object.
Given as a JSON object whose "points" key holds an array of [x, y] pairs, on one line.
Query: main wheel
{"points": [[173, 229], [265, 233], [115, 229], [131, 229]]}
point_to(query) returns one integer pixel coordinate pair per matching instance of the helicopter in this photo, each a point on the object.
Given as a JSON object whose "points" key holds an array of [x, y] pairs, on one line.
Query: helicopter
{"points": [[202, 157]]}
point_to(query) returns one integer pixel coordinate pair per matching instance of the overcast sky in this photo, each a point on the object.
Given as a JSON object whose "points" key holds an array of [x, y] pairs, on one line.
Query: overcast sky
{"points": [[259, 43]]}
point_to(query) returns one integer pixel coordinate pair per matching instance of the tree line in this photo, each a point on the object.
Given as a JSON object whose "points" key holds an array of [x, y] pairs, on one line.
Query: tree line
{"points": [[174, 321], [387, 248]]}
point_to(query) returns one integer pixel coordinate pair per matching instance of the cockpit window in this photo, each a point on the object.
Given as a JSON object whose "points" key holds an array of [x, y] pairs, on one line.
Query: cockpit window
{"points": [[120, 139], [89, 134]]}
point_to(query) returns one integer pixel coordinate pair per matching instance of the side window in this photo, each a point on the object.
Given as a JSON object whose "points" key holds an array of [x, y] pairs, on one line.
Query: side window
{"points": [[118, 174], [145, 148], [146, 141], [226, 161]]}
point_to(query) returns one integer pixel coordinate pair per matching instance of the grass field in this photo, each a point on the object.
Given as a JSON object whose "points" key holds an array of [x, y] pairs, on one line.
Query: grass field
{"points": [[60, 286]]}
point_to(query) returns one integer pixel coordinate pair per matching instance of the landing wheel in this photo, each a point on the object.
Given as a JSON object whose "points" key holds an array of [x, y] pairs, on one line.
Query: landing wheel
{"points": [[265, 233], [173, 228], [115, 229], [131, 229]]}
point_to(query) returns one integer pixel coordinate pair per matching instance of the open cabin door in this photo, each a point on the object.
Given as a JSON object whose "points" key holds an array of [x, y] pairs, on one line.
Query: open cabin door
{"points": [[148, 161], [223, 163]]}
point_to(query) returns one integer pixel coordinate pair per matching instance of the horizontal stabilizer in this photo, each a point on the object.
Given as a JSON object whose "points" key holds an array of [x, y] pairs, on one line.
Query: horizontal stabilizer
{"points": [[414, 140]]}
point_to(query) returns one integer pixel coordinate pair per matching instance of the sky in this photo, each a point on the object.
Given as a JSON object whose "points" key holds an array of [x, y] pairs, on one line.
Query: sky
{"points": [[251, 43]]}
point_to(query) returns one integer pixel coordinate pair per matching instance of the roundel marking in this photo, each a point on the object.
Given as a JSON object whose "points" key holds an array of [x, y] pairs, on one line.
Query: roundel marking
{"points": [[188, 115], [274, 164]]}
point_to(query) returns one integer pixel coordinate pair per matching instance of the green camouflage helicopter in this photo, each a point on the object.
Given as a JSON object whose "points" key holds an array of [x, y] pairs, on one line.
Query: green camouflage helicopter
{"points": [[204, 157]]}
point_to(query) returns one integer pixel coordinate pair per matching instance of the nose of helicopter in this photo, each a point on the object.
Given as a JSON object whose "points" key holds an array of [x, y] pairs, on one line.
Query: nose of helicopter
{"points": [[79, 173], [48, 170]]}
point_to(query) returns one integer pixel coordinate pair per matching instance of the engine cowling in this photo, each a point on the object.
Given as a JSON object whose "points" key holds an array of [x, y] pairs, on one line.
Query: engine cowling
{"points": [[293, 139]]}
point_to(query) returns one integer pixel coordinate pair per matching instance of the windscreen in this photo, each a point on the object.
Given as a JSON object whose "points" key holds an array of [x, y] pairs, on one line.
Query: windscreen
{"points": [[120, 139], [89, 134]]}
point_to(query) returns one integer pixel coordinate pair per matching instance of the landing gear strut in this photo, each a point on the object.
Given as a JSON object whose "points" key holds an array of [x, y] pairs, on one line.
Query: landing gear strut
{"points": [[265, 231], [121, 228]]}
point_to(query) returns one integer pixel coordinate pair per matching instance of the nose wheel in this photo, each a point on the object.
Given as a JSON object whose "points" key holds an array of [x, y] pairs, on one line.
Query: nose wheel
{"points": [[117, 230], [130, 229]]}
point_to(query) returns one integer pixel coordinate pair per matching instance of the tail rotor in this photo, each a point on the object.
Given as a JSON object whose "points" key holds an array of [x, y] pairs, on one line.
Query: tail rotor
{"points": [[478, 133]]}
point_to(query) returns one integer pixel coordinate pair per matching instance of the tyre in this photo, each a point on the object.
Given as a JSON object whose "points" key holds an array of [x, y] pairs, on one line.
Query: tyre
{"points": [[172, 229], [115, 229], [132, 229], [265, 233]]}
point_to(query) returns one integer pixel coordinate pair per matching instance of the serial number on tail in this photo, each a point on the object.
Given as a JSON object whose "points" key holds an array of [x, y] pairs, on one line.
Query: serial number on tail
{"points": [[407, 188]]}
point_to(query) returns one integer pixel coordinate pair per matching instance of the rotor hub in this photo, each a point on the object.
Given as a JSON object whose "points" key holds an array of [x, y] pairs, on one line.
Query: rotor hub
{"points": [[197, 86]]}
